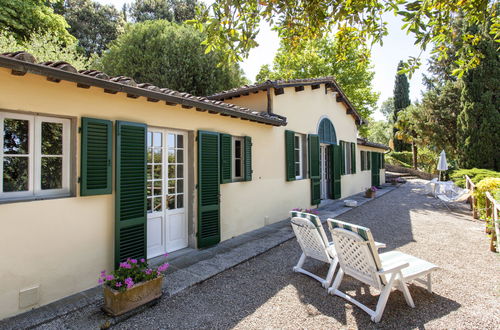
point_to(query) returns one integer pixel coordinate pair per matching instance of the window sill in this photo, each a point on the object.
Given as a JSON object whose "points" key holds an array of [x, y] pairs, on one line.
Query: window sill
{"points": [[33, 198]]}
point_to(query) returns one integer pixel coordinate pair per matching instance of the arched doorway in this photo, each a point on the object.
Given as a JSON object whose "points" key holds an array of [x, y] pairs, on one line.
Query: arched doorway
{"points": [[329, 160]]}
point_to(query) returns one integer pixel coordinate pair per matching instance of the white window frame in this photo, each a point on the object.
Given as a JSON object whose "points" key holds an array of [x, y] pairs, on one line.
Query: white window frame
{"points": [[242, 158], [35, 157], [347, 158], [299, 161]]}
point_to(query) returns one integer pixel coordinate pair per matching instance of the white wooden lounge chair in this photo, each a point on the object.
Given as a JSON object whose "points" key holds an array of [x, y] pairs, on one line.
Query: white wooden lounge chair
{"points": [[359, 258], [314, 244]]}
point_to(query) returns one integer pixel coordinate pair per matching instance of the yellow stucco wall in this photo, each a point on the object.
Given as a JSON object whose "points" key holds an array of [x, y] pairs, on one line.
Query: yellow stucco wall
{"points": [[255, 101], [62, 244], [305, 109]]}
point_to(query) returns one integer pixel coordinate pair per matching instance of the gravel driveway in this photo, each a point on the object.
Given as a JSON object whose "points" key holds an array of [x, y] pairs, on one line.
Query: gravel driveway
{"points": [[265, 293]]}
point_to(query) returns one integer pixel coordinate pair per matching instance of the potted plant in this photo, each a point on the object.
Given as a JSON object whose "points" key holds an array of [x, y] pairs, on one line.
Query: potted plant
{"points": [[133, 284], [397, 181], [370, 192]]}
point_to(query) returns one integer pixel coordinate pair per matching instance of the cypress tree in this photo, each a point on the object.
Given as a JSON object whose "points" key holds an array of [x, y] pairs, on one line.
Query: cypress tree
{"points": [[401, 101], [478, 124]]}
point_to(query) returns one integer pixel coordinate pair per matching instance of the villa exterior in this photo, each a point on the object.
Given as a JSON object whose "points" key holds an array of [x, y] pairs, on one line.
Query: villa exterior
{"points": [[96, 169]]}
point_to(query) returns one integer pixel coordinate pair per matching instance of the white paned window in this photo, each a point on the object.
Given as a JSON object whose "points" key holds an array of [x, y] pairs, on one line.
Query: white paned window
{"points": [[347, 157], [35, 156], [298, 156], [238, 150]]}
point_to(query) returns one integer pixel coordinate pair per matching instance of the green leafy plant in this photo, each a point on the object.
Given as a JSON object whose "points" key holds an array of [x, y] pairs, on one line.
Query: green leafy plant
{"points": [[130, 273], [46, 47], [475, 174], [491, 185], [169, 55]]}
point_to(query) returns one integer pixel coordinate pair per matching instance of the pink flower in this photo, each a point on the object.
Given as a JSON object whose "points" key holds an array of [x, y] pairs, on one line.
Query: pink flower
{"points": [[100, 281], [148, 271], [109, 277], [129, 282], [163, 267], [125, 265], [143, 260], [118, 284], [103, 273], [133, 261]]}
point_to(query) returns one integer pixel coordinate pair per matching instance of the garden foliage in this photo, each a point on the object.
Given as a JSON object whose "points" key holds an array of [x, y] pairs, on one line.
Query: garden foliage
{"points": [[93, 24], [401, 101], [169, 55], [25, 18], [475, 174], [130, 273], [491, 185], [318, 58], [46, 47]]}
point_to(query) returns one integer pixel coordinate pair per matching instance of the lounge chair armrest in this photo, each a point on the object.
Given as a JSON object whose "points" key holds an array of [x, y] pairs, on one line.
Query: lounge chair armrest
{"points": [[393, 268], [379, 245]]}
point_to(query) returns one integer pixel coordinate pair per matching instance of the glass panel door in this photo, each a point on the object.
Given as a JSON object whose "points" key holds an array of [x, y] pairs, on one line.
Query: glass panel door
{"points": [[166, 185]]}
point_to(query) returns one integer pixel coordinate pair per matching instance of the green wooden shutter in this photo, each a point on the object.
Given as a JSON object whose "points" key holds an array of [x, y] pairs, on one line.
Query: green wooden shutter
{"points": [[248, 158], [314, 169], [383, 160], [208, 189], [375, 169], [369, 160], [362, 157], [290, 155], [353, 158], [226, 156], [336, 157], [342, 165], [96, 154], [130, 199]]}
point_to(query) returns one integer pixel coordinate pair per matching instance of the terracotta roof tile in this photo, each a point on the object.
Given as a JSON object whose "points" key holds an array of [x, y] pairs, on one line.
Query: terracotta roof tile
{"points": [[22, 62], [227, 94]]}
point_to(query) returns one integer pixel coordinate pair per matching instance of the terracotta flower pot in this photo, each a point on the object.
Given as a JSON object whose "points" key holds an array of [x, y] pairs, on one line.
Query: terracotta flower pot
{"points": [[117, 303], [369, 194]]}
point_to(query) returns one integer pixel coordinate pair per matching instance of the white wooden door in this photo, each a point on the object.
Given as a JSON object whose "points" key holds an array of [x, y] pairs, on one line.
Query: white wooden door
{"points": [[167, 221]]}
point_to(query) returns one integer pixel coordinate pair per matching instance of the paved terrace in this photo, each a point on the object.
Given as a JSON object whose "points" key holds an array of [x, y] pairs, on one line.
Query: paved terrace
{"points": [[247, 282]]}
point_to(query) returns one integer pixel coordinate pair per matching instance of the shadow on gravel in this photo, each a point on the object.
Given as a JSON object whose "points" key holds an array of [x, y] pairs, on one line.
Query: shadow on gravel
{"points": [[264, 292], [397, 314]]}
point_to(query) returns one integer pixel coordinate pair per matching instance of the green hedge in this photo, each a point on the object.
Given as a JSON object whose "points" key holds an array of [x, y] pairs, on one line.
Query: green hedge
{"points": [[426, 159], [475, 174]]}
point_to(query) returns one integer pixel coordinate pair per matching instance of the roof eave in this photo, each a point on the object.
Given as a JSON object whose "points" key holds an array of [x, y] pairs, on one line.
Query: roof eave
{"points": [[21, 67]]}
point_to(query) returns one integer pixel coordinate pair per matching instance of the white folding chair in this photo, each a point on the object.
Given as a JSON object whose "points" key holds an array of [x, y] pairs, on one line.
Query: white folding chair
{"points": [[359, 258], [314, 244], [453, 194]]}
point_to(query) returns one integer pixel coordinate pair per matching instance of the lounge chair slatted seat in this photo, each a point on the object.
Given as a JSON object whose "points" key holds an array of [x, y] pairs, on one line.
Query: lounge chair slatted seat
{"points": [[358, 257]]}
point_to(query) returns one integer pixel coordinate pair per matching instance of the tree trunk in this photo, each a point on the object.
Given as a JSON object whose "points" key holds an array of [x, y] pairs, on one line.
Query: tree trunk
{"points": [[414, 149]]}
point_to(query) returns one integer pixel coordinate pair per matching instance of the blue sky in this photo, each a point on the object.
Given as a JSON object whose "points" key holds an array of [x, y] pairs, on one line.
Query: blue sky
{"points": [[397, 46]]}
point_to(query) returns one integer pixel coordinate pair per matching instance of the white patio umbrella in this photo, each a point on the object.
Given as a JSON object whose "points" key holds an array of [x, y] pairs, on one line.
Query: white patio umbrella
{"points": [[442, 164]]}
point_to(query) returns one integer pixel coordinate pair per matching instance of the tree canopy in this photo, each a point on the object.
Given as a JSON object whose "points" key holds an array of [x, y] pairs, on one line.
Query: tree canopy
{"points": [[93, 24], [478, 123], [401, 101], [387, 109], [170, 10], [24, 18], [46, 47], [169, 55], [317, 58], [233, 25]]}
